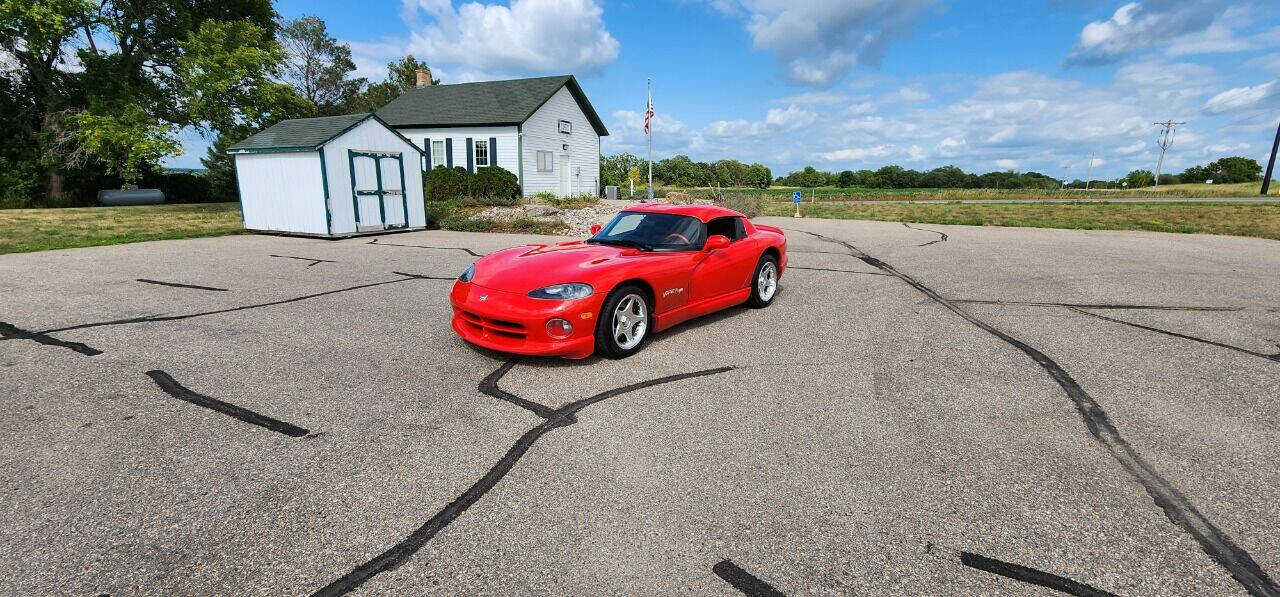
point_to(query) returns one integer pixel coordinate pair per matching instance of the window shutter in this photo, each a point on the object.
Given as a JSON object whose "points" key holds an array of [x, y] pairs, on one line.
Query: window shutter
{"points": [[471, 157], [426, 141], [448, 152], [493, 151]]}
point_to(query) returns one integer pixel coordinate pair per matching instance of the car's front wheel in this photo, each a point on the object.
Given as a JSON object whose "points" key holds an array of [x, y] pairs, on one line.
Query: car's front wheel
{"points": [[764, 284], [624, 322]]}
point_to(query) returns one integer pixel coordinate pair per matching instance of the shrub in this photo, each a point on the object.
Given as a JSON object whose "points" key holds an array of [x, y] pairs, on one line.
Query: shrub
{"points": [[445, 183], [747, 205], [182, 187], [547, 196], [583, 200], [494, 182]]}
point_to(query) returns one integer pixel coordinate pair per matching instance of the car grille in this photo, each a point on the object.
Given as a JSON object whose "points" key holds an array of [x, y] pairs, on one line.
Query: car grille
{"points": [[494, 328]]}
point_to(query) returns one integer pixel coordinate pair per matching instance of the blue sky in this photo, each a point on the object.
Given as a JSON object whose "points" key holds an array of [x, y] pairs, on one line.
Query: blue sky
{"points": [[1036, 85]]}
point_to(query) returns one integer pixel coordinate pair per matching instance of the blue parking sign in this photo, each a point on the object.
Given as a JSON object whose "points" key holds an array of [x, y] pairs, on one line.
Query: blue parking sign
{"points": [[797, 196]]}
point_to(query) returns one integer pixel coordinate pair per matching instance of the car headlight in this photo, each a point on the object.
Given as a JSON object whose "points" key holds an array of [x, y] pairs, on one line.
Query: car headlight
{"points": [[573, 290], [467, 275]]}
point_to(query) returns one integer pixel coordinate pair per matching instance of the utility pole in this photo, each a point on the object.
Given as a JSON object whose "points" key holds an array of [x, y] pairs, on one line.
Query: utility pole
{"points": [[1271, 164], [1165, 141], [1089, 177]]}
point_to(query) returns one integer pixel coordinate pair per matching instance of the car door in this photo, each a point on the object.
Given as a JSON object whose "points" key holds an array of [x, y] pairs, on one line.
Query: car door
{"points": [[724, 270]]}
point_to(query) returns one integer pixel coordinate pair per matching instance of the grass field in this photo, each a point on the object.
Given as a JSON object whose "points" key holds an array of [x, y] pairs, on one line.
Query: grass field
{"points": [[1248, 189], [23, 230], [1237, 219]]}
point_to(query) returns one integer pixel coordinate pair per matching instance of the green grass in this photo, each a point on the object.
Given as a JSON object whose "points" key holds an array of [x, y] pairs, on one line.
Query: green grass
{"points": [[25, 230], [776, 193], [1237, 219]]}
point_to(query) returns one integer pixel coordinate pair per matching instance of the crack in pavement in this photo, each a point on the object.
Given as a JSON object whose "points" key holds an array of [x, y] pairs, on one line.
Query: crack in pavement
{"points": [[314, 261], [564, 416], [12, 332], [177, 285], [844, 271], [1179, 510], [473, 253], [1031, 576], [181, 392], [1269, 357], [744, 581], [942, 235], [1004, 303]]}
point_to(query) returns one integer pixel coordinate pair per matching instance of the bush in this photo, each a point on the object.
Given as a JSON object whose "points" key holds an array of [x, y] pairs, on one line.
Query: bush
{"points": [[442, 184], [547, 196], [493, 182], [583, 200], [182, 187], [747, 205]]}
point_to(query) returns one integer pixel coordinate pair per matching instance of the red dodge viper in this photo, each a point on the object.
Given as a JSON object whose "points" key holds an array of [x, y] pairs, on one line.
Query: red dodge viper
{"points": [[651, 267]]}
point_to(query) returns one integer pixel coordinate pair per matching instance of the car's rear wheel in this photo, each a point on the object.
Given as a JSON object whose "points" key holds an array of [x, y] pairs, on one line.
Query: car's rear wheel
{"points": [[624, 322], [764, 284]]}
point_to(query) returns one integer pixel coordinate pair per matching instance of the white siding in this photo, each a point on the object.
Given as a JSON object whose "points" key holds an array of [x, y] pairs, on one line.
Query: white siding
{"points": [[505, 136], [370, 135], [541, 133], [282, 192]]}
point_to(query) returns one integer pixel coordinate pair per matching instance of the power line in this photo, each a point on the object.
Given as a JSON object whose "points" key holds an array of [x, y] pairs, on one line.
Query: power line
{"points": [[1165, 141]]}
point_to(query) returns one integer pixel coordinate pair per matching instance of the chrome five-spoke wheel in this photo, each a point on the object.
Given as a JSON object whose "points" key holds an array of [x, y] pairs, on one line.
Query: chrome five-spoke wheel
{"points": [[767, 281], [630, 321]]}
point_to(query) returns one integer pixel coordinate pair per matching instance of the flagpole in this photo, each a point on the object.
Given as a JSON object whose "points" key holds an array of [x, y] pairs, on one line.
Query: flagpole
{"points": [[649, 106]]}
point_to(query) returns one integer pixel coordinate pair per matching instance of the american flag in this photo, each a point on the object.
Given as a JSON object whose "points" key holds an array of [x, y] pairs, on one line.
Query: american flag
{"points": [[648, 115]]}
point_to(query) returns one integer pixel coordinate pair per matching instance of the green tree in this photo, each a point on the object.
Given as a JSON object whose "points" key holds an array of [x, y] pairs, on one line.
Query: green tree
{"points": [[759, 176], [402, 75], [1140, 178], [126, 140], [845, 179], [1236, 169], [317, 65]]}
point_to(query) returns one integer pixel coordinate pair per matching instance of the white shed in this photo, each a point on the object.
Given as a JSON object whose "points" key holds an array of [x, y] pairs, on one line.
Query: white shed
{"points": [[333, 176]]}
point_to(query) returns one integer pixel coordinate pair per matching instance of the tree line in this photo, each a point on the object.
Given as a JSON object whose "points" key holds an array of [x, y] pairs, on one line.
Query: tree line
{"points": [[625, 168], [94, 93]]}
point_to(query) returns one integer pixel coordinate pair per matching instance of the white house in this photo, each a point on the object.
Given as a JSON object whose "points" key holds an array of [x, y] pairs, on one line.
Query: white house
{"points": [[543, 130], [333, 176]]}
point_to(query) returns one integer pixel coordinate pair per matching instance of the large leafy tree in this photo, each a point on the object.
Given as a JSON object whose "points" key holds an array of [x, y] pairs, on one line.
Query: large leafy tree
{"points": [[111, 81], [318, 66], [402, 75]]}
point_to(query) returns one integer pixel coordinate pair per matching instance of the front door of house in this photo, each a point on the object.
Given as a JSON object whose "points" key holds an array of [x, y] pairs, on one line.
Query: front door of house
{"points": [[566, 181], [377, 189]]}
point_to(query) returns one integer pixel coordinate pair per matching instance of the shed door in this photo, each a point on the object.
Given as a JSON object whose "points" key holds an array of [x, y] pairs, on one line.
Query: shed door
{"points": [[377, 181]]}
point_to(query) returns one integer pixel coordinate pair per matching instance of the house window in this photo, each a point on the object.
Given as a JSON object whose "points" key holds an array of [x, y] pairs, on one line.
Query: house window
{"points": [[482, 153], [438, 158], [544, 161]]}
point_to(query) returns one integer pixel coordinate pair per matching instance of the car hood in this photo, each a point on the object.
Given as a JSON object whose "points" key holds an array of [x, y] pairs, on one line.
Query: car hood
{"points": [[521, 269]]}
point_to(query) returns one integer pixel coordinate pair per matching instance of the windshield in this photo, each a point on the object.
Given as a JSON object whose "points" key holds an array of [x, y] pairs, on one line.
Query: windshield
{"points": [[652, 232]]}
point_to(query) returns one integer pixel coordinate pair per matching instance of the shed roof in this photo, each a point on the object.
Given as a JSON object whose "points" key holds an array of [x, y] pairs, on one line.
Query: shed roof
{"points": [[488, 103], [305, 134]]}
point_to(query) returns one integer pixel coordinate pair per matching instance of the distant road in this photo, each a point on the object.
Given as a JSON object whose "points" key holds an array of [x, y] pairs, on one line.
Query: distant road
{"points": [[1110, 200]]}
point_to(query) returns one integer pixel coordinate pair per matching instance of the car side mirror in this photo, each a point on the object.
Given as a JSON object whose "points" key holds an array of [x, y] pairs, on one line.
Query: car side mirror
{"points": [[595, 229], [716, 241]]}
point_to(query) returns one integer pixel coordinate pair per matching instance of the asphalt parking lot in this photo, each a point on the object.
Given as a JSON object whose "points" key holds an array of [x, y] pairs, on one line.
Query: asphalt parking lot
{"points": [[923, 410]]}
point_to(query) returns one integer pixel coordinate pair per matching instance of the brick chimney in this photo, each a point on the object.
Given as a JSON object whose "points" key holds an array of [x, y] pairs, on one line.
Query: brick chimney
{"points": [[424, 77]]}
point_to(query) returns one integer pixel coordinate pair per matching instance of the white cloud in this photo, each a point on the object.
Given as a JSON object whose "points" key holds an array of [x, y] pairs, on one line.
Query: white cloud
{"points": [[371, 57], [951, 147], [1241, 98], [912, 94], [812, 98], [1006, 164], [1138, 25], [1223, 148], [860, 109], [856, 153], [790, 119], [478, 41], [817, 41], [1130, 149]]}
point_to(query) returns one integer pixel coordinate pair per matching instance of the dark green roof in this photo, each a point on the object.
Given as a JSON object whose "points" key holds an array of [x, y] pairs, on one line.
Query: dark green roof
{"points": [[487, 103], [305, 134]]}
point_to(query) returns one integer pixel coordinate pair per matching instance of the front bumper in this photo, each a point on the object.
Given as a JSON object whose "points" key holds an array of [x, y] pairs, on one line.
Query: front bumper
{"points": [[515, 323]]}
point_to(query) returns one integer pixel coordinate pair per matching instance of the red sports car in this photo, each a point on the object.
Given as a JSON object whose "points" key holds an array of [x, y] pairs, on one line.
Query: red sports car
{"points": [[653, 266]]}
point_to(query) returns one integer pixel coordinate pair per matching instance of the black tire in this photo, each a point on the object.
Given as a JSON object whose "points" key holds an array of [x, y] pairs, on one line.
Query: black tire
{"points": [[618, 346], [761, 294]]}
